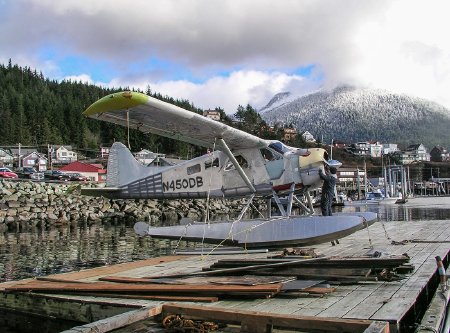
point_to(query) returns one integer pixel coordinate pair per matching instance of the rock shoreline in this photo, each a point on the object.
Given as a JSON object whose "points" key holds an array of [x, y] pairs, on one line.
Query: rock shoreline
{"points": [[25, 204]]}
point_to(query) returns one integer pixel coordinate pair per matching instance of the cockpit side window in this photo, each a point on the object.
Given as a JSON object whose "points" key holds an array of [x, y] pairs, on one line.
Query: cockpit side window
{"points": [[270, 155]]}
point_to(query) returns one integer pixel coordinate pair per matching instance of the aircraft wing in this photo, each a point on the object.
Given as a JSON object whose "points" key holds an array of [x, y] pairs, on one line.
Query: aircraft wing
{"points": [[150, 115]]}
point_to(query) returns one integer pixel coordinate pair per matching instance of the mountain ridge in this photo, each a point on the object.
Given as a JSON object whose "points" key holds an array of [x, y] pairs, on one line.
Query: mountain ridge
{"points": [[353, 114]]}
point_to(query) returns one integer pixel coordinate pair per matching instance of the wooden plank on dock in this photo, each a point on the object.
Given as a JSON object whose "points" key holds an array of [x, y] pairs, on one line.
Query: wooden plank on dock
{"points": [[107, 270], [246, 280], [259, 322], [171, 298], [118, 321], [152, 289], [99, 271]]}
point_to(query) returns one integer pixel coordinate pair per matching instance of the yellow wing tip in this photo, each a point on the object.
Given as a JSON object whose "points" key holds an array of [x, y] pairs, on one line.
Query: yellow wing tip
{"points": [[116, 101]]}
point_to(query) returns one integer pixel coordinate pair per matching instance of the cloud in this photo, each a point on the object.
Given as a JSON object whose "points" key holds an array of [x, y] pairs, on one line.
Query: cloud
{"points": [[226, 92], [84, 78], [235, 52]]}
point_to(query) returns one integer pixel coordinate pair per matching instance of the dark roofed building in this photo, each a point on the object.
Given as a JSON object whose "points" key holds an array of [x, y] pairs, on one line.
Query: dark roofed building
{"points": [[439, 154]]}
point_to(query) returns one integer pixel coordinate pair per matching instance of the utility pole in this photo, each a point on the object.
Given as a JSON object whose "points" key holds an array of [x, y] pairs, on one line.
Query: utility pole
{"points": [[331, 149], [19, 161], [49, 152]]}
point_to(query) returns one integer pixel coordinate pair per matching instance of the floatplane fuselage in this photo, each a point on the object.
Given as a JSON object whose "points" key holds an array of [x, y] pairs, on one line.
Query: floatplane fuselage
{"points": [[218, 174]]}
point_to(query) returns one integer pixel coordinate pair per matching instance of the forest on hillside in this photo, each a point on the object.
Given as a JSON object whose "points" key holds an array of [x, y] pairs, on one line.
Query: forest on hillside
{"points": [[37, 111]]}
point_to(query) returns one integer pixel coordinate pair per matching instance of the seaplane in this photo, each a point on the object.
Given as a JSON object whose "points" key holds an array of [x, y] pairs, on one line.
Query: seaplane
{"points": [[236, 165]]}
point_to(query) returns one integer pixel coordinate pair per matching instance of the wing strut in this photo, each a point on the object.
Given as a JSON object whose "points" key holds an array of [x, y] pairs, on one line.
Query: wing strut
{"points": [[233, 160]]}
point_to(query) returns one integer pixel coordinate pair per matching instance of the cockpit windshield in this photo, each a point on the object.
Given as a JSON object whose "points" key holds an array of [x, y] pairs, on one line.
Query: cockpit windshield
{"points": [[279, 147]]}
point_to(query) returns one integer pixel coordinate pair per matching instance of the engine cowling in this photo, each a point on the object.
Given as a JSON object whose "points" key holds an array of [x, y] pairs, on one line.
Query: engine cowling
{"points": [[310, 165]]}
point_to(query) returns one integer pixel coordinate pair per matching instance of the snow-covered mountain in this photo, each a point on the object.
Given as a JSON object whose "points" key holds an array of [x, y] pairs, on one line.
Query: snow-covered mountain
{"points": [[357, 114]]}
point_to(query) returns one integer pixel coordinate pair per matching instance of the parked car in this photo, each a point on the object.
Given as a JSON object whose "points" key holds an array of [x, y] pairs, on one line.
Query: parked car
{"points": [[56, 175], [30, 172], [7, 173], [75, 176]]}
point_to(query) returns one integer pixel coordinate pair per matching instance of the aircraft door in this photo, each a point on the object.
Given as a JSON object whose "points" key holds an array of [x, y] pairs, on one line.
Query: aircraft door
{"points": [[274, 163], [231, 177]]}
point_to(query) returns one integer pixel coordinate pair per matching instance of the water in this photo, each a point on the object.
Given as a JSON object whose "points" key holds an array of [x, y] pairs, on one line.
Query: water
{"points": [[417, 209], [38, 252]]}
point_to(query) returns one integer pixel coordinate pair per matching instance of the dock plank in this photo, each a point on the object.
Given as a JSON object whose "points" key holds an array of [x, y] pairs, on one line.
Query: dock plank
{"points": [[345, 304]]}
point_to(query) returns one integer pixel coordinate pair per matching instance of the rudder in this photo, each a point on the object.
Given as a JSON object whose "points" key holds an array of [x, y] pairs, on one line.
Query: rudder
{"points": [[122, 166]]}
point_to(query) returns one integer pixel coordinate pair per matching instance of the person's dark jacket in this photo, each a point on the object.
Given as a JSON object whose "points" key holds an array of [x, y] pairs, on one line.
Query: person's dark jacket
{"points": [[328, 184]]}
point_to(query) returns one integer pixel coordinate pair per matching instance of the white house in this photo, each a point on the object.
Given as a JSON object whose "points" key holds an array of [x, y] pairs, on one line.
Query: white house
{"points": [[419, 152], [389, 148], [308, 137], [146, 156], [376, 149], [63, 155], [6, 159], [361, 148], [104, 151], [212, 114], [414, 153]]}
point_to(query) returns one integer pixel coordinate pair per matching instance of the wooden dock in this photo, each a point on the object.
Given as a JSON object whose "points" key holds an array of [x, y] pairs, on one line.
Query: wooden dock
{"points": [[366, 306]]}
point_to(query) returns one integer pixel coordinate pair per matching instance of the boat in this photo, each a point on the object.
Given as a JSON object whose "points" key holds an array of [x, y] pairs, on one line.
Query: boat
{"points": [[374, 197]]}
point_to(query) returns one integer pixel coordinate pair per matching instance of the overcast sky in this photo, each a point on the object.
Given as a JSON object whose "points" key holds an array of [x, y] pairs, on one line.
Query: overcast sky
{"points": [[222, 53]]}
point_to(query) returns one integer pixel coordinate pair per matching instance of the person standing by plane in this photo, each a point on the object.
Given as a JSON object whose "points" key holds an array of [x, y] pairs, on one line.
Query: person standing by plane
{"points": [[328, 189]]}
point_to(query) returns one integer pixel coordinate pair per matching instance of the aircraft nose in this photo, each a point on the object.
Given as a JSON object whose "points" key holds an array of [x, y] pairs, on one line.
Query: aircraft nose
{"points": [[333, 163]]}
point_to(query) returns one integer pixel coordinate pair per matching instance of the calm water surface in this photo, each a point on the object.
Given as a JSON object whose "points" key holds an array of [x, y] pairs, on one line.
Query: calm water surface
{"points": [[38, 252]]}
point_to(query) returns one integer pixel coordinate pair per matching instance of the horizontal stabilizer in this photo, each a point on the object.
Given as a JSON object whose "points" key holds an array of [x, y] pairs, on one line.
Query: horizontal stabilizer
{"points": [[99, 192]]}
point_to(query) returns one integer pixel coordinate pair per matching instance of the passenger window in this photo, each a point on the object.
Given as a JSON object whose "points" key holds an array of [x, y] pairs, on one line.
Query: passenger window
{"points": [[194, 169]]}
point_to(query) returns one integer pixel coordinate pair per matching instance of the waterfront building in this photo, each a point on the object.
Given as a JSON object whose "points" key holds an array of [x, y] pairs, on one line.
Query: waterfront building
{"points": [[360, 148], [308, 137], [34, 160], [212, 114], [414, 153], [6, 159], [104, 151], [148, 157], [439, 154], [289, 134], [62, 154], [390, 148], [94, 172], [375, 148]]}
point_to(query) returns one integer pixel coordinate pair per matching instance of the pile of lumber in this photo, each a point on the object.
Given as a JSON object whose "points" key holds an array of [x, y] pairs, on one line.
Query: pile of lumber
{"points": [[228, 278], [196, 289]]}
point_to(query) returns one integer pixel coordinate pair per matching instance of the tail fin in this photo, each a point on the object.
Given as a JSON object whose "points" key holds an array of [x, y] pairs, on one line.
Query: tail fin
{"points": [[122, 166]]}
